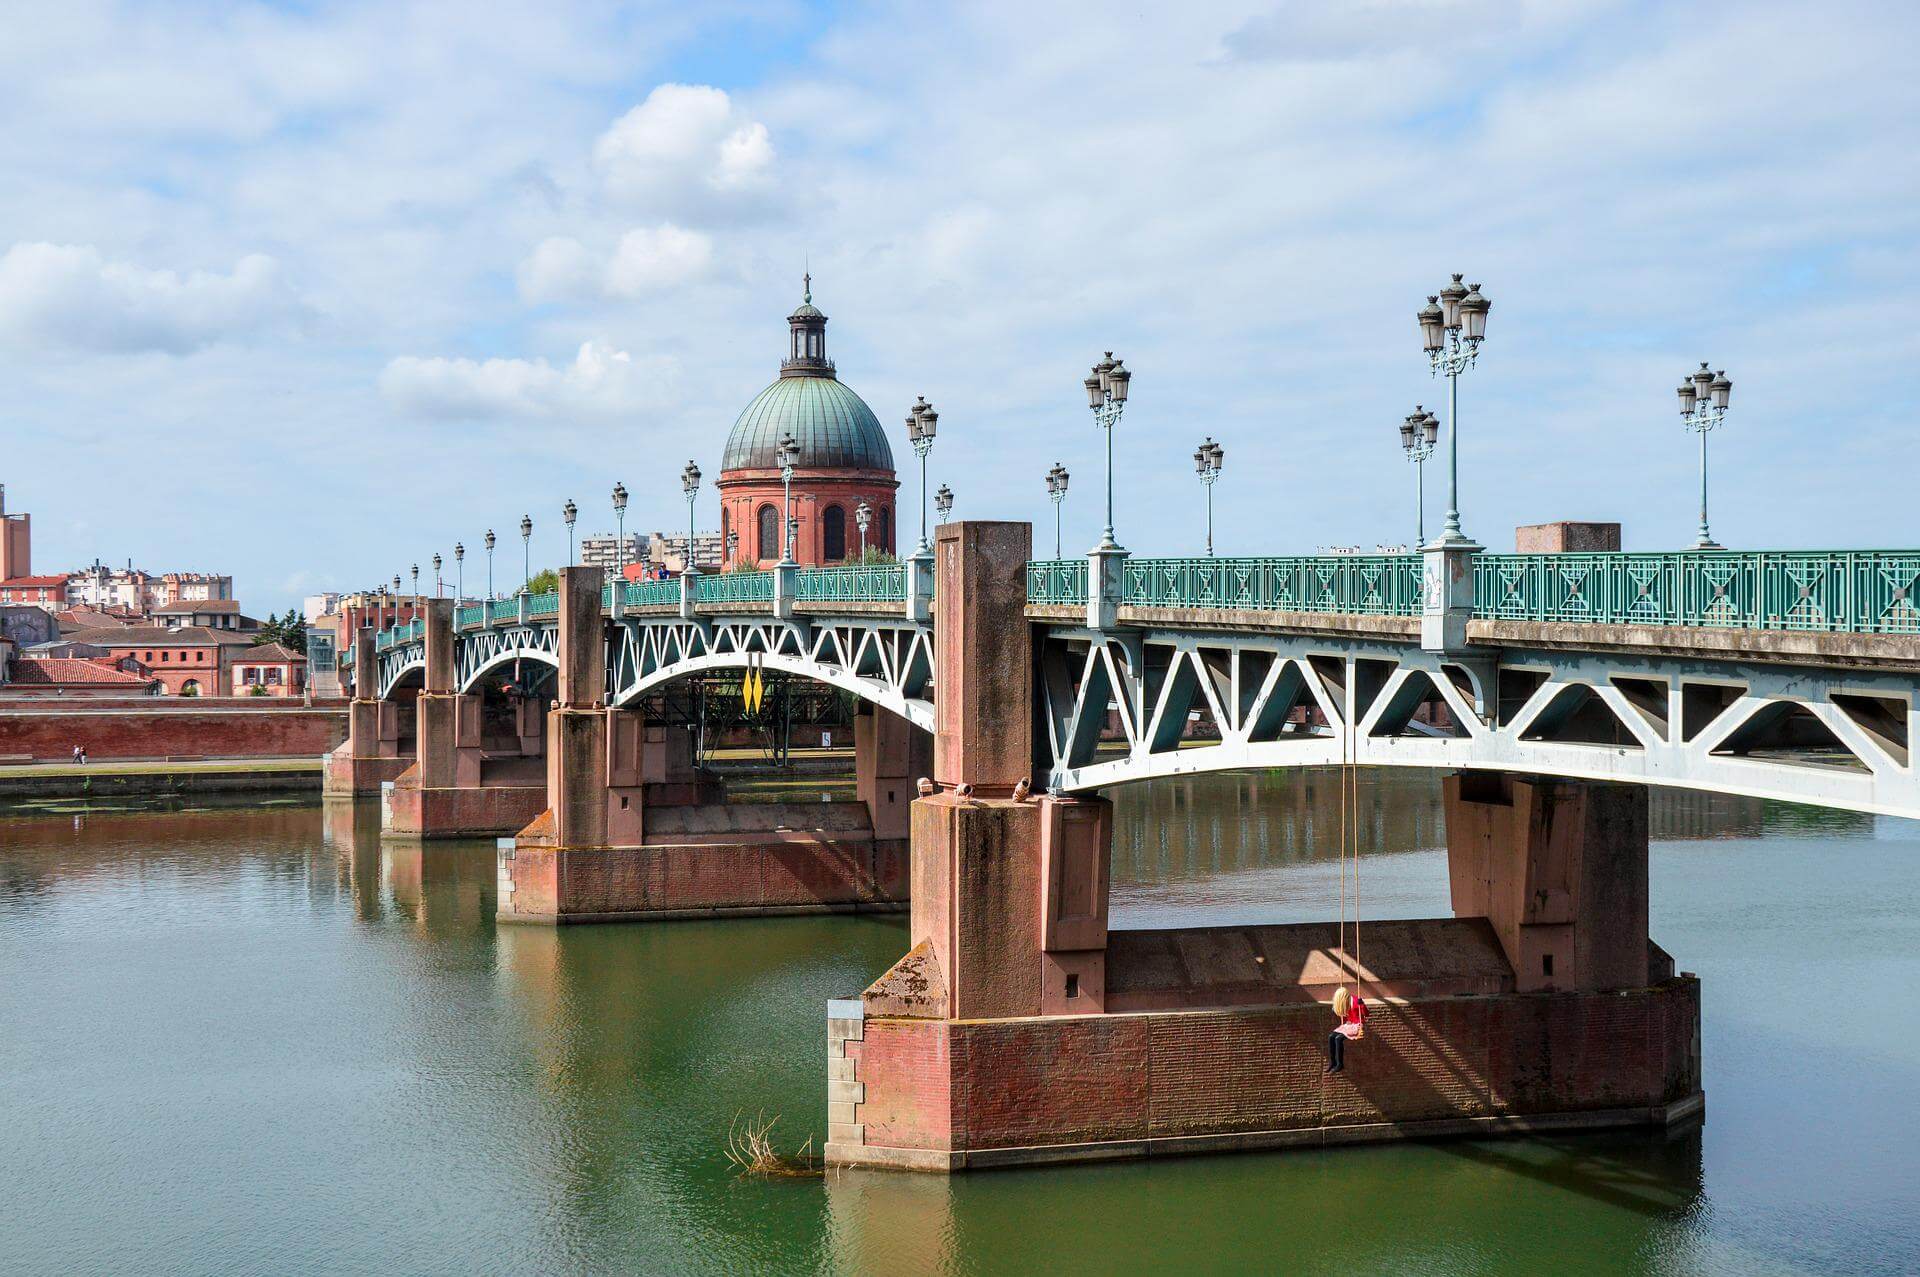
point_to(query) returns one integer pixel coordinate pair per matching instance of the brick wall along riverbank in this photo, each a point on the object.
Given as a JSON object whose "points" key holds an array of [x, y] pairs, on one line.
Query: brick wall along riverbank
{"points": [[194, 729]]}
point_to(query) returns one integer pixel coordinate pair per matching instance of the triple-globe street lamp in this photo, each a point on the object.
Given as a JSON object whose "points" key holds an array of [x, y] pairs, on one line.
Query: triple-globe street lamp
{"points": [[1206, 463], [943, 502], [491, 539], [1418, 434], [1703, 405], [1106, 388], [788, 457], [1453, 323], [459, 572], [569, 512], [526, 553], [1057, 493], [436, 574], [690, 484], [922, 422], [863, 519]]}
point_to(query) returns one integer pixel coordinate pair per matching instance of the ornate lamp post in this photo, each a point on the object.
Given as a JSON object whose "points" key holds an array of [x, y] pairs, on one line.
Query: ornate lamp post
{"points": [[1703, 405], [1418, 434], [788, 456], [436, 574], [921, 423], [490, 543], [620, 518], [1107, 395], [570, 512], [733, 546], [863, 519], [943, 502], [526, 553], [459, 572], [1057, 493], [690, 484], [1206, 463], [416, 585], [1452, 325]]}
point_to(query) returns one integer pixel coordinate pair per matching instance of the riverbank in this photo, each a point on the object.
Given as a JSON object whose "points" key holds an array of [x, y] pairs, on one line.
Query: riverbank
{"points": [[28, 783]]}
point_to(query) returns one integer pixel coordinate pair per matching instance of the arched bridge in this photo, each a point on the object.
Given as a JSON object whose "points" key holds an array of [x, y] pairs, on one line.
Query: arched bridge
{"points": [[1792, 675]]}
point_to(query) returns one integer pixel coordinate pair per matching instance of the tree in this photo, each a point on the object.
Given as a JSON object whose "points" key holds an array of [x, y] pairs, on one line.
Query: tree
{"points": [[546, 581], [290, 631]]}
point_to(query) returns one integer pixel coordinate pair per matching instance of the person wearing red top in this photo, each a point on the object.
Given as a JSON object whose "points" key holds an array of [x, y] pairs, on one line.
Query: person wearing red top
{"points": [[1352, 1010]]}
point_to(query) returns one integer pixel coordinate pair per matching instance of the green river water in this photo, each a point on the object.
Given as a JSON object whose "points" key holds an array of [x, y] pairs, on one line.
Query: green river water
{"points": [[253, 1040]]}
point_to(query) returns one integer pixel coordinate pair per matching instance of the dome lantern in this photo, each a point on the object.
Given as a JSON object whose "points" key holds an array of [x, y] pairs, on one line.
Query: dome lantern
{"points": [[807, 338]]}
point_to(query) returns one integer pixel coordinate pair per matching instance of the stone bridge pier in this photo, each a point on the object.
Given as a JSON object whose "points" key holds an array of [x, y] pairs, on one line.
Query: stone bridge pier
{"points": [[464, 783], [631, 832], [380, 733], [1020, 1029]]}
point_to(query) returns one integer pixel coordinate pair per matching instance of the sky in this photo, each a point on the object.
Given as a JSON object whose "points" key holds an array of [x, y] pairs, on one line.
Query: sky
{"points": [[307, 292]]}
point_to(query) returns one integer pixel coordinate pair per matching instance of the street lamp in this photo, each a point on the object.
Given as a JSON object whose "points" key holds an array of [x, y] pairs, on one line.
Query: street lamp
{"points": [[1418, 434], [943, 502], [733, 546], [788, 456], [570, 512], [526, 553], [921, 421], [1206, 463], [620, 517], [1057, 492], [1107, 396], [416, 585], [690, 484], [863, 519], [436, 574], [1452, 325], [1703, 405], [459, 572], [490, 541]]}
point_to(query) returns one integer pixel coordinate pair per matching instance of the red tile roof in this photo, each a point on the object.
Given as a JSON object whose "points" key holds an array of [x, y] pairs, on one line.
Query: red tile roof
{"points": [[187, 608], [267, 654], [33, 582], [158, 636], [48, 671]]}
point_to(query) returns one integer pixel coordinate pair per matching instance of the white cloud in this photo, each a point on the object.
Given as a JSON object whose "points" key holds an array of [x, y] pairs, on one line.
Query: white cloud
{"points": [[685, 149], [70, 296], [647, 260], [601, 382]]}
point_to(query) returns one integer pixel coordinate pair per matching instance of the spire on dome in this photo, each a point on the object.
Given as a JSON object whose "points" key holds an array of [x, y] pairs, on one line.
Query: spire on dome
{"points": [[807, 337]]}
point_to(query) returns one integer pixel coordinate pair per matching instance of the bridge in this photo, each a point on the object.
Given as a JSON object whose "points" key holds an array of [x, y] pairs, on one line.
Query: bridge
{"points": [[1018, 1028]]}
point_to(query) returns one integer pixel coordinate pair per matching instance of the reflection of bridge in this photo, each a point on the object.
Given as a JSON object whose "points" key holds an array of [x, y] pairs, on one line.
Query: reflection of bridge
{"points": [[1018, 1028]]}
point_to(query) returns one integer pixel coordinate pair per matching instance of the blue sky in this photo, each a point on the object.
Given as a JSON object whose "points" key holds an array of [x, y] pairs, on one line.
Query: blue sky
{"points": [[308, 292]]}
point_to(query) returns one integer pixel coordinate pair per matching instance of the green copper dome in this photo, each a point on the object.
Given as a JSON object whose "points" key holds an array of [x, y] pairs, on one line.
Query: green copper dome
{"points": [[833, 426]]}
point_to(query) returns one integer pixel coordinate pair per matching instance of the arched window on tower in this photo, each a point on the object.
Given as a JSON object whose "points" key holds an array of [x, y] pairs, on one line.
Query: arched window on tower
{"points": [[769, 532], [833, 529], [884, 541]]}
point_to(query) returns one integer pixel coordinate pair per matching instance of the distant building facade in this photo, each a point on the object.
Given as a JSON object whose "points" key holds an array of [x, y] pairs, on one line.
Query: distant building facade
{"points": [[603, 552], [268, 669]]}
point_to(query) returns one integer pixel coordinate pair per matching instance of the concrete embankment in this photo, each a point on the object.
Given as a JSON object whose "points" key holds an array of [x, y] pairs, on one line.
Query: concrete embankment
{"points": [[160, 779]]}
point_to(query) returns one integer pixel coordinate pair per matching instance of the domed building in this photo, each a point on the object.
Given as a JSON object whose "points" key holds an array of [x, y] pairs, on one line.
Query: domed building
{"points": [[843, 460]]}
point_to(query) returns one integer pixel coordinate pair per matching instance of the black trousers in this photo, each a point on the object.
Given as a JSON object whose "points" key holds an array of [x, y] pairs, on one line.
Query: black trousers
{"points": [[1336, 1051]]}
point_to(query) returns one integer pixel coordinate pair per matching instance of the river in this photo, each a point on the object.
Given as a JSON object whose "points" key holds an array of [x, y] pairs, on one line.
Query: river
{"points": [[252, 1040]]}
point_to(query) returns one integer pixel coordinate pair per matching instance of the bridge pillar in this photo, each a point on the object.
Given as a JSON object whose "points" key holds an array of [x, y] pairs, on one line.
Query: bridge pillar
{"points": [[1559, 870], [1020, 1029], [453, 790], [890, 755], [371, 754]]}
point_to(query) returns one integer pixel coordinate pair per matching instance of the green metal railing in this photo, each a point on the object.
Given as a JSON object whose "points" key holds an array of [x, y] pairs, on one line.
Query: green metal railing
{"points": [[1836, 591], [503, 610], [543, 607], [864, 583], [469, 616], [1355, 584], [652, 593], [735, 587], [1062, 581]]}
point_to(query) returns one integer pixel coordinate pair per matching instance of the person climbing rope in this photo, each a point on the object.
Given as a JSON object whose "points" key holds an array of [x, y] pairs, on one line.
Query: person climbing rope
{"points": [[1352, 1010]]}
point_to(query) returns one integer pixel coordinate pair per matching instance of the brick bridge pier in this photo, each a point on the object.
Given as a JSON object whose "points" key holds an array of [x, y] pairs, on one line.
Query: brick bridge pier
{"points": [[1019, 1029]]}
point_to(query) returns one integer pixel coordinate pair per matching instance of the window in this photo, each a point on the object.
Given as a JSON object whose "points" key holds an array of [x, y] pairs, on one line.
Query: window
{"points": [[769, 532], [884, 541], [834, 533], [249, 675]]}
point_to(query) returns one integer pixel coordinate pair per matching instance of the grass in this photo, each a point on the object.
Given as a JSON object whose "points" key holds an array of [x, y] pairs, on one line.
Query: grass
{"points": [[750, 1148]]}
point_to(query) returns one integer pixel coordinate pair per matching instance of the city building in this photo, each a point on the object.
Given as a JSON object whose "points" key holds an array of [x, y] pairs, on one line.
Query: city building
{"points": [[268, 669], [669, 553], [603, 552], [16, 541], [33, 675], [100, 586], [193, 661], [843, 460], [214, 614], [46, 592]]}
